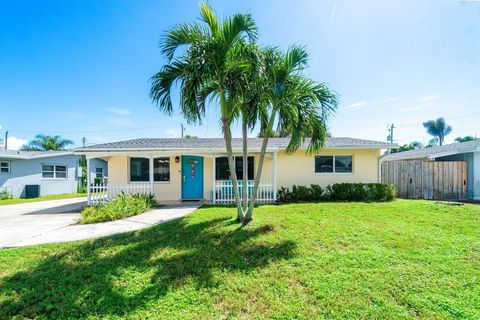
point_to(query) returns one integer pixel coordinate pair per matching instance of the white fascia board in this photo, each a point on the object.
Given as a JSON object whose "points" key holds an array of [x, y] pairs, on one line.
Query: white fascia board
{"points": [[211, 150]]}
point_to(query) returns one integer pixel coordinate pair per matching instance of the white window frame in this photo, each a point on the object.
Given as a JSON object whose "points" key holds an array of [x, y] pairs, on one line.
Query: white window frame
{"points": [[169, 170], [9, 166], [54, 171], [333, 156]]}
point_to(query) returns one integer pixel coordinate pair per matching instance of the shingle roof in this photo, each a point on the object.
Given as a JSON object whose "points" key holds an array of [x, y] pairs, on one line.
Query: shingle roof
{"points": [[218, 143], [25, 155], [448, 149]]}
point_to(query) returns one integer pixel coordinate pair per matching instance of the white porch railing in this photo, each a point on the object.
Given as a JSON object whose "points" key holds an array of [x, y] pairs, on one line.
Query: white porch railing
{"points": [[223, 192], [101, 193]]}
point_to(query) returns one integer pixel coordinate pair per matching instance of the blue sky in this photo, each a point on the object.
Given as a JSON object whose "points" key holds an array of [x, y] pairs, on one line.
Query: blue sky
{"points": [[81, 68]]}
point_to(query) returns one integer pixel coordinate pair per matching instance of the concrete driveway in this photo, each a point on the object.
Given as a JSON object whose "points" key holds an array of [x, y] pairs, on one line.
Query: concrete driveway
{"points": [[55, 221]]}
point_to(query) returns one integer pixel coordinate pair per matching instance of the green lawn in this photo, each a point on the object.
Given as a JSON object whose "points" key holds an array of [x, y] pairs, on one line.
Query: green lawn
{"points": [[399, 260], [44, 198]]}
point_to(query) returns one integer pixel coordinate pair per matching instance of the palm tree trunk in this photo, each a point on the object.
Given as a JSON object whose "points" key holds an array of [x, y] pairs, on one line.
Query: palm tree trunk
{"points": [[227, 134], [245, 165], [248, 216]]}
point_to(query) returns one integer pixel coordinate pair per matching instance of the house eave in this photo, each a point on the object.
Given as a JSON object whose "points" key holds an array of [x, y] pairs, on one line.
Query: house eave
{"points": [[212, 150]]}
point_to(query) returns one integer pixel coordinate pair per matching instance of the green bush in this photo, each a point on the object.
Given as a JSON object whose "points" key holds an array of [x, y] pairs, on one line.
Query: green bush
{"points": [[5, 194], [300, 194], [338, 192], [120, 207]]}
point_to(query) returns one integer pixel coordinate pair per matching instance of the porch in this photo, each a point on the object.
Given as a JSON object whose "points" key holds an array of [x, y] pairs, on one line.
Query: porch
{"points": [[180, 177]]}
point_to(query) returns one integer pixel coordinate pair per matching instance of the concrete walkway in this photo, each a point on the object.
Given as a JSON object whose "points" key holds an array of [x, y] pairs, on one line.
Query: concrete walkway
{"points": [[55, 221]]}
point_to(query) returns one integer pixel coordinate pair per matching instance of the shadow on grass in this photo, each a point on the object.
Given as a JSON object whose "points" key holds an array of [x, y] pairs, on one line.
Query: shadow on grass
{"points": [[100, 278]]}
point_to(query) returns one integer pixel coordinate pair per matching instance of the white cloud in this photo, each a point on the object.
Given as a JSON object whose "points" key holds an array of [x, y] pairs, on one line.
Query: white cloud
{"points": [[120, 122], [365, 104], [120, 112], [415, 107], [172, 133], [429, 98], [15, 143], [356, 105]]}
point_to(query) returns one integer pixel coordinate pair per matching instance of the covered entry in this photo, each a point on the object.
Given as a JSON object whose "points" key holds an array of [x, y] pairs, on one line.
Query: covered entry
{"points": [[420, 179]]}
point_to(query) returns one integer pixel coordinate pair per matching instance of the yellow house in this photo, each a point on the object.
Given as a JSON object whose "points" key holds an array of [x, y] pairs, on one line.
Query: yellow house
{"points": [[197, 169]]}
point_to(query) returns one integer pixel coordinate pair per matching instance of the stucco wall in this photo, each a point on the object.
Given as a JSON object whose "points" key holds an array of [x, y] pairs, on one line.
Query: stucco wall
{"points": [[299, 169], [293, 169]]}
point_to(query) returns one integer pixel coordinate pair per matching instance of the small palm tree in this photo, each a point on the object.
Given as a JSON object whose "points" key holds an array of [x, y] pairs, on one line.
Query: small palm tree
{"points": [[47, 143], [438, 129]]}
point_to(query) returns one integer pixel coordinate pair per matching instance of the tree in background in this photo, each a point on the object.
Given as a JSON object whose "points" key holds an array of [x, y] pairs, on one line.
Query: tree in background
{"points": [[438, 129], [47, 143], [414, 145], [464, 139]]}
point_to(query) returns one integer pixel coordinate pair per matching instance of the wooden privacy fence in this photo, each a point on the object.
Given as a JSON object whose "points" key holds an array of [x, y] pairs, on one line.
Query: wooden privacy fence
{"points": [[417, 179]]}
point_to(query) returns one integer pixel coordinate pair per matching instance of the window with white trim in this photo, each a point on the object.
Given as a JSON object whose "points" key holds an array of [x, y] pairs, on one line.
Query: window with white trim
{"points": [[4, 166], [334, 164], [140, 169], [51, 171]]}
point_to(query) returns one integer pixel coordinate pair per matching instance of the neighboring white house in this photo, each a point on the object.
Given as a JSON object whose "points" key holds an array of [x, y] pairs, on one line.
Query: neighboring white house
{"points": [[54, 172]]}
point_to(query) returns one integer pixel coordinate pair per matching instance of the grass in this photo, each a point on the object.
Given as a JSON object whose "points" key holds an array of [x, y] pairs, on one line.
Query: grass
{"points": [[122, 206], [43, 198], [399, 260]]}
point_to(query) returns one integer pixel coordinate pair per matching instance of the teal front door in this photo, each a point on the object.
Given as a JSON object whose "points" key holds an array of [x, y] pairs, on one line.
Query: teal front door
{"points": [[192, 177]]}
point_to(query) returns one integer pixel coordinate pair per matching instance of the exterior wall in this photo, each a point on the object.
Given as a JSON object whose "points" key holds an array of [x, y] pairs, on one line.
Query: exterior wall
{"points": [[299, 169], [118, 170], [26, 172], [171, 190], [472, 179], [293, 169]]}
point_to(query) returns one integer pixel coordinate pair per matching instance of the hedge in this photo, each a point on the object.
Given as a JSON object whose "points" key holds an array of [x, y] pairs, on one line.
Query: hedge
{"points": [[338, 192]]}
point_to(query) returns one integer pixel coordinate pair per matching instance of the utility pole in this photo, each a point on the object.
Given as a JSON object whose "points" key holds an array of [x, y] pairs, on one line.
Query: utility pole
{"points": [[183, 129], [6, 140], [84, 141], [390, 133]]}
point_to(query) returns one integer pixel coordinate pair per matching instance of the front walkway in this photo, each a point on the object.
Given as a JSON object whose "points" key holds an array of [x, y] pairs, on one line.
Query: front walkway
{"points": [[54, 221]]}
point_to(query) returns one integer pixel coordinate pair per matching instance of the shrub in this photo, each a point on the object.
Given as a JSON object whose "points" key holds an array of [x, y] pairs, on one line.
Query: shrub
{"points": [[120, 207], [338, 192], [5, 194], [300, 194]]}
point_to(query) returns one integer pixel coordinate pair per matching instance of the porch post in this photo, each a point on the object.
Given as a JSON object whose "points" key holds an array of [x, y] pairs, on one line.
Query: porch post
{"points": [[214, 191], [89, 180], [150, 172], [274, 176]]}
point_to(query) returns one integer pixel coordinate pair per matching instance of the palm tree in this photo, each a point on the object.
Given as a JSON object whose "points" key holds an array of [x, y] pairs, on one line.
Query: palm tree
{"points": [[47, 143], [208, 68], [438, 129], [298, 105], [464, 139]]}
